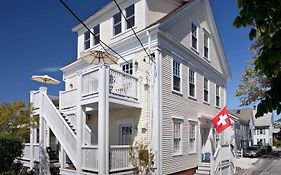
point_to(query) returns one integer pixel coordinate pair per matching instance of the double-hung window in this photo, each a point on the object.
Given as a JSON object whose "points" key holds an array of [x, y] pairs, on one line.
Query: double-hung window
{"points": [[176, 75], [86, 40], [96, 38], [192, 137], [206, 44], [217, 96], [177, 136], [192, 85], [130, 16], [194, 36], [128, 67], [206, 90], [117, 25]]}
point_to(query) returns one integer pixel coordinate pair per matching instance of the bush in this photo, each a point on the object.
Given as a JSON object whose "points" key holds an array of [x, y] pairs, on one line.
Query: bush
{"points": [[11, 147]]}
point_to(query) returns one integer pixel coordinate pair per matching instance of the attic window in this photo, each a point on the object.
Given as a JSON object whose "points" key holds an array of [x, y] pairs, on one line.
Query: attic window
{"points": [[117, 23], [86, 40], [130, 16], [206, 44], [96, 31], [194, 36]]}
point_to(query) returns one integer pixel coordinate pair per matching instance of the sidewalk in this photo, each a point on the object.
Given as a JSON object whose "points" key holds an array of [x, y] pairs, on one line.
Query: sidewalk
{"points": [[246, 163]]}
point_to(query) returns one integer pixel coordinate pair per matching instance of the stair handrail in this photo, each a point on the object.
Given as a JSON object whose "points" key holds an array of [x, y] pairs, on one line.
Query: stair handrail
{"points": [[68, 147], [215, 162]]}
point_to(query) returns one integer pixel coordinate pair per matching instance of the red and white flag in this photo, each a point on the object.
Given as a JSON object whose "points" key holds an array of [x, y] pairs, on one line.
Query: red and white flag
{"points": [[221, 121]]}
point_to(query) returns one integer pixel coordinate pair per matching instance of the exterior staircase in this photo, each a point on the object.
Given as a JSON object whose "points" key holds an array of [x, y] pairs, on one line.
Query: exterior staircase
{"points": [[69, 123], [203, 168]]}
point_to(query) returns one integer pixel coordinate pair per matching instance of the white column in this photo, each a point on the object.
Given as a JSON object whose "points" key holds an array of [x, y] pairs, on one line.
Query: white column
{"points": [[31, 136], [79, 121], [199, 147], [43, 91], [157, 112], [103, 120]]}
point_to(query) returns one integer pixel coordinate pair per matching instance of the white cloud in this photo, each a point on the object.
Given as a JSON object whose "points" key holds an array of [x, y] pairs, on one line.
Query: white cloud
{"points": [[50, 69]]}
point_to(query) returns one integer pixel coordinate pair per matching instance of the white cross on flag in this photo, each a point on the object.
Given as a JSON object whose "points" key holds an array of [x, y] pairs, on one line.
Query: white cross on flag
{"points": [[221, 121]]}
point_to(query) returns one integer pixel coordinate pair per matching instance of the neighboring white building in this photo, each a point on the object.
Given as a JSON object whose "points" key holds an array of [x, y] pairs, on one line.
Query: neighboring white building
{"points": [[263, 129], [243, 127], [167, 101]]}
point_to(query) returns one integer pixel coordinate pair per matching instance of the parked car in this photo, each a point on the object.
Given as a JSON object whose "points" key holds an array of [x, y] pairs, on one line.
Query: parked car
{"points": [[252, 151]]}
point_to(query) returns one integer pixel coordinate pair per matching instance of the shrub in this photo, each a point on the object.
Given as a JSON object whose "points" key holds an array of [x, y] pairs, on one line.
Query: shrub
{"points": [[11, 147]]}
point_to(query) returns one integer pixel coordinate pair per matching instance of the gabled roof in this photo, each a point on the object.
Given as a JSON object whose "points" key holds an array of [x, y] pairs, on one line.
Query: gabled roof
{"points": [[244, 115]]}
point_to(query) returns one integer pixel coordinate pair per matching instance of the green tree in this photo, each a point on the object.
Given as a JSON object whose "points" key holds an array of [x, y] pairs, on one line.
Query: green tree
{"points": [[264, 19], [15, 119]]}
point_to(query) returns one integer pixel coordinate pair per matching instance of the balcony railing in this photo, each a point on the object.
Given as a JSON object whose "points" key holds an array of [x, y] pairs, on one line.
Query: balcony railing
{"points": [[26, 151], [90, 158], [35, 96], [68, 99], [121, 85], [119, 158]]}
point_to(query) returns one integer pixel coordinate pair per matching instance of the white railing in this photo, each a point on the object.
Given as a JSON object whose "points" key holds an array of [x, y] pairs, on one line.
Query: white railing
{"points": [[36, 152], [119, 158], [90, 158], [232, 160], [215, 161], [68, 99], [35, 101], [60, 128], [26, 151], [223, 156], [90, 82], [122, 84]]}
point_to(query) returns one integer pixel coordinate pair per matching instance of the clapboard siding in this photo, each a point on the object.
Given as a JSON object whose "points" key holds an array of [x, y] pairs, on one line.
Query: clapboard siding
{"points": [[180, 105]]}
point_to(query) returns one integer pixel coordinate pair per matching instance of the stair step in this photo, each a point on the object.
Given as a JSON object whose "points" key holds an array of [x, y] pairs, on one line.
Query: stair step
{"points": [[202, 172], [204, 168]]}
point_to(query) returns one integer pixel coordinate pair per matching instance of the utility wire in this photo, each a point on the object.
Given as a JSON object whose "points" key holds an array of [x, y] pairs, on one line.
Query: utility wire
{"points": [[133, 31], [101, 42]]}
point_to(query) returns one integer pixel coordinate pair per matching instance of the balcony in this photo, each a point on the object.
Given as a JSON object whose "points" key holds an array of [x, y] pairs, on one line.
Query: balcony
{"points": [[123, 88]]}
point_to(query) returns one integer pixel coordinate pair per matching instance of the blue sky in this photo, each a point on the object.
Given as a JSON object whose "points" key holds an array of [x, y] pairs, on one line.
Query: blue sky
{"points": [[36, 39]]}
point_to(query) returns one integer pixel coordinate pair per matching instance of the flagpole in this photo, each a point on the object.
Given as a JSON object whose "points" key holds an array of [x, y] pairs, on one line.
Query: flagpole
{"points": [[220, 135]]}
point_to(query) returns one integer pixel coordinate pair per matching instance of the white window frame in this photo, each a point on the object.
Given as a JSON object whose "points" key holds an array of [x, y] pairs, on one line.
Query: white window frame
{"points": [[206, 33], [194, 97], [113, 25], [179, 76], [197, 34], [126, 63], [128, 17], [88, 40], [208, 90], [96, 34], [217, 95], [192, 123], [179, 121]]}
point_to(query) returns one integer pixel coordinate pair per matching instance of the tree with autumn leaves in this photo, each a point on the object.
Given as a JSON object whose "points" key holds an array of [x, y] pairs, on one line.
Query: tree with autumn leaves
{"points": [[261, 81]]}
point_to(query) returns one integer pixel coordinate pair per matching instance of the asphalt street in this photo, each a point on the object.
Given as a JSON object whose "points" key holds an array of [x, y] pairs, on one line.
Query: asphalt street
{"points": [[269, 164]]}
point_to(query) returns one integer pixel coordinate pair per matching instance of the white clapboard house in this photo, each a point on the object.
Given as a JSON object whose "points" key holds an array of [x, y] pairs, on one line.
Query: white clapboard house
{"points": [[165, 98]]}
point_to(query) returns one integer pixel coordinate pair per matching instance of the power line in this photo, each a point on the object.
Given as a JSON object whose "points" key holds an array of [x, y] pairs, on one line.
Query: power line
{"points": [[101, 42], [133, 31]]}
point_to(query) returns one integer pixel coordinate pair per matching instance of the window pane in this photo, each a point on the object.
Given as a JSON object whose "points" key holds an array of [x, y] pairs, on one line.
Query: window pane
{"points": [[176, 76], [96, 31], [117, 23], [194, 35], [86, 40]]}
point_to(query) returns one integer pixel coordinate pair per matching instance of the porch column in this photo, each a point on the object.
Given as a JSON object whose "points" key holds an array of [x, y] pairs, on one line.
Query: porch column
{"points": [[80, 125], [103, 120], [199, 147], [43, 91], [31, 137]]}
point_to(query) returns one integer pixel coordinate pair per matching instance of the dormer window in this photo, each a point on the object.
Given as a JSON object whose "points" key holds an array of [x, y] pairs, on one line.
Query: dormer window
{"points": [[130, 16], [117, 25], [96, 38], [194, 37], [86, 40]]}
